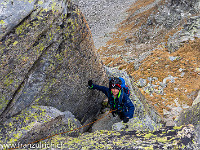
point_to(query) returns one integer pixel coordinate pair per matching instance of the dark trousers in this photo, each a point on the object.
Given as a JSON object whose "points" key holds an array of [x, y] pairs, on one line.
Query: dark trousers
{"points": [[121, 115]]}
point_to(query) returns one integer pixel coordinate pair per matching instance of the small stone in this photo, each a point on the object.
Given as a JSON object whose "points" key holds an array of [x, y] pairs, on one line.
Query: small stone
{"points": [[166, 66], [170, 123], [180, 69], [142, 82], [175, 89], [165, 112], [197, 99], [171, 78], [164, 85], [150, 79], [197, 70], [159, 90], [128, 40], [172, 58], [155, 78], [182, 74]]}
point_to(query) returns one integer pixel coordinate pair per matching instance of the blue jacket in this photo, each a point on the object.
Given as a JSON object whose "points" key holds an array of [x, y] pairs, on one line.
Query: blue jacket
{"points": [[122, 104]]}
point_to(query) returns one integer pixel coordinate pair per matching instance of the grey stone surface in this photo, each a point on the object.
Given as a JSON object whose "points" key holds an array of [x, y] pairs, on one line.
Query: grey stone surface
{"points": [[48, 59], [145, 124], [190, 31], [197, 99], [141, 82], [36, 123], [189, 116], [197, 130], [106, 122], [182, 138]]}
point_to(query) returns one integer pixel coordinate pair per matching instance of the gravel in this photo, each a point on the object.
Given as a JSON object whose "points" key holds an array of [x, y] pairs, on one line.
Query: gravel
{"points": [[103, 16]]}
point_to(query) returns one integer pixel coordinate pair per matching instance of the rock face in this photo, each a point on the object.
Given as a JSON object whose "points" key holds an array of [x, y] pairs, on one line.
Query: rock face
{"points": [[47, 57], [191, 116], [190, 31], [36, 123], [165, 138]]}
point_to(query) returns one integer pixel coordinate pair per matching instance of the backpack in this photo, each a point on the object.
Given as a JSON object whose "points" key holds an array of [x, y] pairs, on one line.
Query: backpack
{"points": [[125, 87]]}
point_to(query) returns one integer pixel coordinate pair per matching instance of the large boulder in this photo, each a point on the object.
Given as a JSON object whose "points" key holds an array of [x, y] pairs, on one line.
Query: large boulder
{"points": [[191, 116], [37, 123], [47, 57]]}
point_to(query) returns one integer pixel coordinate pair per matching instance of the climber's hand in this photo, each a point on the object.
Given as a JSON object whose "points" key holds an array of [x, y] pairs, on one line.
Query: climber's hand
{"points": [[125, 120]]}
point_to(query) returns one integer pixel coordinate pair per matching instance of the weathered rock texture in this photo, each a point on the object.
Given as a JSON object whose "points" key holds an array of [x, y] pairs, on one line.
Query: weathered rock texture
{"points": [[166, 138], [191, 116], [47, 57], [190, 31], [36, 123]]}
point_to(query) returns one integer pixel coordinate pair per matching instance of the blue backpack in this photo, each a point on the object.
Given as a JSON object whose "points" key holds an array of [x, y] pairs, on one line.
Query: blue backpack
{"points": [[124, 86]]}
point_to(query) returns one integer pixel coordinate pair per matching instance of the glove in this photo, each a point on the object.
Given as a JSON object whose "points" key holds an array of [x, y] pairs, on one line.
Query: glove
{"points": [[90, 83], [125, 120]]}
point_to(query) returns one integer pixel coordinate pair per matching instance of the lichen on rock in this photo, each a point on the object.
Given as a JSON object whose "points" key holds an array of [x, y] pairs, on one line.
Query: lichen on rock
{"points": [[165, 138], [37, 123], [47, 57]]}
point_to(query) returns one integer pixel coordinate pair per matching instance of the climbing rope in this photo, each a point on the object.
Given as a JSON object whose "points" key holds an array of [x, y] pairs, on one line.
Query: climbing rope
{"points": [[63, 132]]}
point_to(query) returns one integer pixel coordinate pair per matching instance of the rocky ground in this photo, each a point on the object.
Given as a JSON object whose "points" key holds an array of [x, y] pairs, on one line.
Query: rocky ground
{"points": [[166, 138], [103, 16]]}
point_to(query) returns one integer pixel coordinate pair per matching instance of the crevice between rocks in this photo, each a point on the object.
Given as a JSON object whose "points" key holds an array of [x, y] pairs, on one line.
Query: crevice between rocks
{"points": [[9, 106]]}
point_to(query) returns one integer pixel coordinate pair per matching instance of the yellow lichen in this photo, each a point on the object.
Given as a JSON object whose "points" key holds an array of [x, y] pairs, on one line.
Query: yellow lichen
{"points": [[40, 2], [2, 22], [177, 128], [148, 135]]}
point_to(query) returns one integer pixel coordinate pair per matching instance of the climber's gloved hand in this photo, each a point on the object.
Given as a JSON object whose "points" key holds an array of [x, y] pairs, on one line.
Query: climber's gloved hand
{"points": [[90, 84], [125, 120]]}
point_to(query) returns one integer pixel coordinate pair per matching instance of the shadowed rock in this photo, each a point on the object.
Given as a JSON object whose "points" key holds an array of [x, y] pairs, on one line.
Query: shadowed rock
{"points": [[191, 116]]}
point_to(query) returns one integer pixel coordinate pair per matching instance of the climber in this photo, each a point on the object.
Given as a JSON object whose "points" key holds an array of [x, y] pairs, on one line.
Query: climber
{"points": [[119, 102]]}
